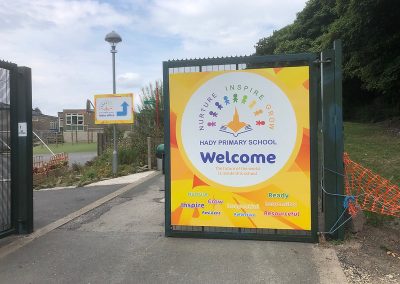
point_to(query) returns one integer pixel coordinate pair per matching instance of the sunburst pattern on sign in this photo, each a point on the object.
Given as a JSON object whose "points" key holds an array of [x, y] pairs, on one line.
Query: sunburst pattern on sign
{"points": [[195, 201]]}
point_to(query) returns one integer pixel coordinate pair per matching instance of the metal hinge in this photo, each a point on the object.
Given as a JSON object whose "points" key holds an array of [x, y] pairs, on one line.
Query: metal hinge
{"points": [[319, 61]]}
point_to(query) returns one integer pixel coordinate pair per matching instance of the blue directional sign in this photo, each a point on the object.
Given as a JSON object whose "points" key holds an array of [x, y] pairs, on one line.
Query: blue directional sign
{"points": [[124, 111], [113, 108]]}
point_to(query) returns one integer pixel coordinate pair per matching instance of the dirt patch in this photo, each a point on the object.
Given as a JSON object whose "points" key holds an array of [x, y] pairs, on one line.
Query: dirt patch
{"points": [[391, 126], [372, 255]]}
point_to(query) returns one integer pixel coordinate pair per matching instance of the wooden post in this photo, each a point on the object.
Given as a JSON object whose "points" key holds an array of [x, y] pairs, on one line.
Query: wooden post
{"points": [[149, 152], [157, 103], [98, 145]]}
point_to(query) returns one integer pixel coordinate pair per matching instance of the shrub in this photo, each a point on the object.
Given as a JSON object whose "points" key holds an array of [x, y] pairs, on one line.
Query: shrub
{"points": [[76, 167]]}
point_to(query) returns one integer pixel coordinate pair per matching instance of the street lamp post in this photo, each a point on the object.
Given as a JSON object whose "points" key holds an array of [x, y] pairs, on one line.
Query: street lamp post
{"points": [[113, 38]]}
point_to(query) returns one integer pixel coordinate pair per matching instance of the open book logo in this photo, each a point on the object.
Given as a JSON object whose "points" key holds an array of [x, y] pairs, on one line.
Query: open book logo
{"points": [[235, 126]]}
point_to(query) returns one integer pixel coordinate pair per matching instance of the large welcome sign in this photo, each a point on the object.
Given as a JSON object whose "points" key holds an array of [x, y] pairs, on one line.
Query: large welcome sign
{"points": [[240, 149]]}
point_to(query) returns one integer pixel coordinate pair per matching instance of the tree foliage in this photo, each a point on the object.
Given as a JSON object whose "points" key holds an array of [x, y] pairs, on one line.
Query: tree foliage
{"points": [[370, 33], [146, 118]]}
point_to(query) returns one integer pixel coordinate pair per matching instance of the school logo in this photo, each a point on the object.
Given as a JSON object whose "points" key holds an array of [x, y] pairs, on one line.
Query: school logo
{"points": [[238, 129], [235, 126]]}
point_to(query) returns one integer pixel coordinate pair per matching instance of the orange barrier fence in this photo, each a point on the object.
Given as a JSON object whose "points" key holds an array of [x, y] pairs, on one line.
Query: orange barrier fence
{"points": [[56, 161], [369, 191]]}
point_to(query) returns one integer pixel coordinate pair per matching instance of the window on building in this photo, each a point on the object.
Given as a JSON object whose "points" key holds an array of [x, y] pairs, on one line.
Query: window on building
{"points": [[80, 119], [60, 124], [53, 125], [74, 121]]}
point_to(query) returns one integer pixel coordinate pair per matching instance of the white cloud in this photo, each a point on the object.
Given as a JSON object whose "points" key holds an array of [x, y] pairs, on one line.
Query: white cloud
{"points": [[63, 41], [59, 13], [57, 40], [129, 80], [223, 27]]}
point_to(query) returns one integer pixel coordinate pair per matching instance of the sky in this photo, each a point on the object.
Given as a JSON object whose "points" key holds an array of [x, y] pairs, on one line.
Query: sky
{"points": [[63, 42]]}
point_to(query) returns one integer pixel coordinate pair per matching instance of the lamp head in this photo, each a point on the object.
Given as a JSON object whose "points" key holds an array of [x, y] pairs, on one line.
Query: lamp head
{"points": [[113, 38]]}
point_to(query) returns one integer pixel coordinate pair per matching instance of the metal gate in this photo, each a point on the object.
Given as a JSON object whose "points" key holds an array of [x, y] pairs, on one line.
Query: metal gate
{"points": [[16, 195], [324, 108], [227, 65], [5, 148]]}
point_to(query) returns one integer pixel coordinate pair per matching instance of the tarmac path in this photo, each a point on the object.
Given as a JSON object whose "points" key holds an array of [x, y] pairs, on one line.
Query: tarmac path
{"points": [[51, 205], [122, 241]]}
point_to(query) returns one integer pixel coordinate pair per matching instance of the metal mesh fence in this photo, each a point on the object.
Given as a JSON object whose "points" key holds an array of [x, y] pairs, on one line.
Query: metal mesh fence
{"points": [[5, 151]]}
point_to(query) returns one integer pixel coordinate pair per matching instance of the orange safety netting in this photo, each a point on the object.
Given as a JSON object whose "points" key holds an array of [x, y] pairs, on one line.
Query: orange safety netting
{"points": [[57, 161], [371, 192]]}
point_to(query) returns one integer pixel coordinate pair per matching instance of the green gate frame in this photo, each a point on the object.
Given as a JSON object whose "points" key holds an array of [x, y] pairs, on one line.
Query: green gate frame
{"points": [[325, 112], [332, 132], [21, 150]]}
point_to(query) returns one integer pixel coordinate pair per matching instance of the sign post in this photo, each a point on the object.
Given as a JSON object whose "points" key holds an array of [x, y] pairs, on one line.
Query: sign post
{"points": [[114, 109]]}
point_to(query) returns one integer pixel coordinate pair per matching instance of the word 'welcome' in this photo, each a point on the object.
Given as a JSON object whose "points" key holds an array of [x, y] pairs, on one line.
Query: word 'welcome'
{"points": [[237, 158]]}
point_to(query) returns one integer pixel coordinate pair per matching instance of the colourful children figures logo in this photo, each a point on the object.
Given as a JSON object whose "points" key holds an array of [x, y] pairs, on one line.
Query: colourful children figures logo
{"points": [[238, 124]]}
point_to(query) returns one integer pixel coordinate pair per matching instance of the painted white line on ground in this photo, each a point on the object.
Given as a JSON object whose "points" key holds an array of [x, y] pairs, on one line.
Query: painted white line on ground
{"points": [[23, 241], [56, 188], [119, 180], [122, 180]]}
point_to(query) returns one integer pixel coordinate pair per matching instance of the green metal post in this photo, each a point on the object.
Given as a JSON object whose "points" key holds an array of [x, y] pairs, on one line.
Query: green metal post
{"points": [[332, 139], [337, 47], [167, 150], [24, 158], [314, 157]]}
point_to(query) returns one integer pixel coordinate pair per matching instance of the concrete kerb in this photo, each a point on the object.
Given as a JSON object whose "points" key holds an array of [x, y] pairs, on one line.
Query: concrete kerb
{"points": [[21, 242], [328, 265]]}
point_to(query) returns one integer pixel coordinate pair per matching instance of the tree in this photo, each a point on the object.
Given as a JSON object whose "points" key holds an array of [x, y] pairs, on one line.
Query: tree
{"points": [[305, 32], [150, 118], [371, 50]]}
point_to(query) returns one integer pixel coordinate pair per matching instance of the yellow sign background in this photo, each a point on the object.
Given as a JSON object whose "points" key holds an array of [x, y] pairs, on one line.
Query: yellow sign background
{"points": [[190, 186], [111, 96]]}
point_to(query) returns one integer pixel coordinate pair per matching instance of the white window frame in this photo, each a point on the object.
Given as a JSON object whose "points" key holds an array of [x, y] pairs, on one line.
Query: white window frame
{"points": [[80, 119]]}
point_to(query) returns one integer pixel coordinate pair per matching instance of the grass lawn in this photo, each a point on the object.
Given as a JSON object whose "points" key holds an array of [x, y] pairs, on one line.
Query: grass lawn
{"points": [[66, 148], [373, 147]]}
